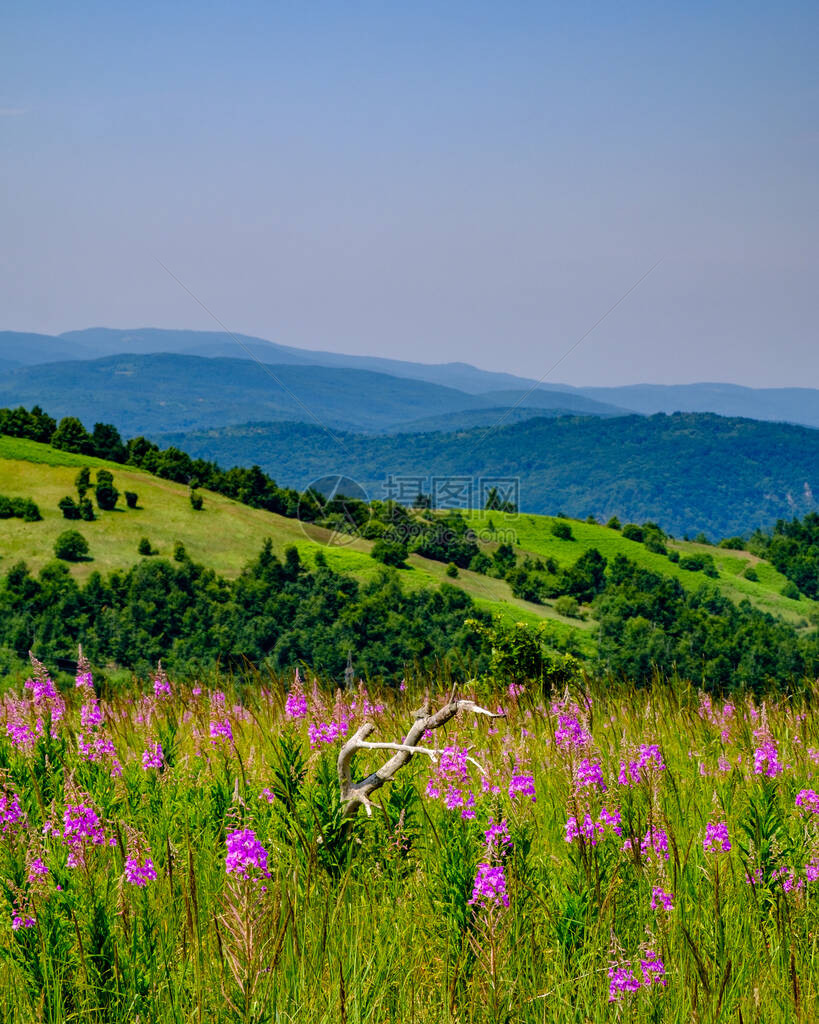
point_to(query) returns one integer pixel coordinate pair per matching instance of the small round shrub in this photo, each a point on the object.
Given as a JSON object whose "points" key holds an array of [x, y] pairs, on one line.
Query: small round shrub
{"points": [[568, 606], [562, 530], [751, 574], [131, 499], [71, 546], [480, 562], [452, 570], [69, 508], [144, 547], [389, 552]]}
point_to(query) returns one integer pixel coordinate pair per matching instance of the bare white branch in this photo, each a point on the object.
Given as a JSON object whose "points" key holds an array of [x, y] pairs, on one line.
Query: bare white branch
{"points": [[357, 794], [429, 751]]}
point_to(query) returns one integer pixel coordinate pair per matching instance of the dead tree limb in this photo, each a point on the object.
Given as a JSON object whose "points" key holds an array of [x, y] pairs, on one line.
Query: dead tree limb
{"points": [[357, 794]]}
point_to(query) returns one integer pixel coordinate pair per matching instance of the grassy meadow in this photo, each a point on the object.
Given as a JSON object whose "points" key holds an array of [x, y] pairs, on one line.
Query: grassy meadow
{"points": [[181, 855]]}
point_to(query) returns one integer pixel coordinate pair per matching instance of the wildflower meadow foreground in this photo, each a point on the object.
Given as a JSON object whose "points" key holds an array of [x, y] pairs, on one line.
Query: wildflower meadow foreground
{"points": [[276, 852]]}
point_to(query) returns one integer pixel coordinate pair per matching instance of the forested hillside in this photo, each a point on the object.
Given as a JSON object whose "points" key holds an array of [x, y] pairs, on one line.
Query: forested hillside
{"points": [[691, 473], [197, 577]]}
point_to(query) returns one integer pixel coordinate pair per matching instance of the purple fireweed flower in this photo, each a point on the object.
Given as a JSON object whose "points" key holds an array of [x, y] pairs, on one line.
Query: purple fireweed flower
{"points": [[653, 969], [590, 773], [649, 758], [661, 898], [295, 705], [139, 873], [326, 732], [162, 685], [91, 715], [628, 774], [789, 879], [246, 856], [716, 836], [97, 748], [221, 731], [622, 982], [81, 827], [766, 760], [22, 736], [11, 813], [452, 764], [361, 702], [612, 820], [488, 786], [498, 840], [84, 681], [587, 829], [22, 921], [37, 869], [570, 732], [654, 844], [489, 889], [267, 794], [455, 798], [809, 800], [42, 690], [523, 785], [812, 870], [152, 757], [449, 781]]}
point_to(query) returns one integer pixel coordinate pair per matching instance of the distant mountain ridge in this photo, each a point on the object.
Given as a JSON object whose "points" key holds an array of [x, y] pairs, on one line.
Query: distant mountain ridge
{"points": [[105, 341], [161, 392], [788, 405]]}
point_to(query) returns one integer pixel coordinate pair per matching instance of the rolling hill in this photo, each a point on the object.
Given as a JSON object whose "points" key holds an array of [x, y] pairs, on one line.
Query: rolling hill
{"points": [[164, 392], [226, 535], [788, 405], [688, 472]]}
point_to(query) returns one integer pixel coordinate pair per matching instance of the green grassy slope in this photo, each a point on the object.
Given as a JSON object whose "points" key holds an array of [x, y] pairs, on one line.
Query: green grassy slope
{"points": [[533, 535], [226, 535]]}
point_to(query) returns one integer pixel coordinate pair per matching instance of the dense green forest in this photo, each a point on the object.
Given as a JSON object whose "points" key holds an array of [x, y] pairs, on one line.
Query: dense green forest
{"points": [[276, 612], [793, 548], [688, 472], [282, 614]]}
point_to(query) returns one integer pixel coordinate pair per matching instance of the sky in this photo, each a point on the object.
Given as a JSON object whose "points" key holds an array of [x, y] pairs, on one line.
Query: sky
{"points": [[436, 182]]}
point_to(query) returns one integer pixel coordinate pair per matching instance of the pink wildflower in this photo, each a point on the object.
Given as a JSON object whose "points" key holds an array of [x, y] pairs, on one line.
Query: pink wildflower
{"points": [[246, 856], [139, 873], [716, 836], [489, 888]]}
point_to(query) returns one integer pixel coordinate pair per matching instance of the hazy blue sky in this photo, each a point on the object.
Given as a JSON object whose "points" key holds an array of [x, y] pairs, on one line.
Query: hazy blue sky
{"points": [[437, 182]]}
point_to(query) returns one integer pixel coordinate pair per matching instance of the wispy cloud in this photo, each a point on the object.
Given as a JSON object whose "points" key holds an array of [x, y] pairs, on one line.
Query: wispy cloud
{"points": [[12, 111]]}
